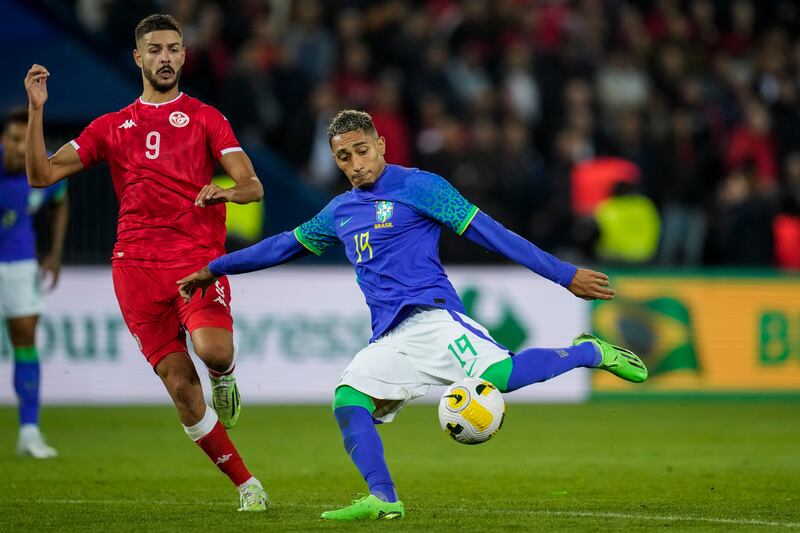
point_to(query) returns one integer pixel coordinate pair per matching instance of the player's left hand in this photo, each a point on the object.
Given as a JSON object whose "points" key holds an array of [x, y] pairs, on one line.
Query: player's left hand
{"points": [[590, 285], [50, 268], [212, 194], [202, 279]]}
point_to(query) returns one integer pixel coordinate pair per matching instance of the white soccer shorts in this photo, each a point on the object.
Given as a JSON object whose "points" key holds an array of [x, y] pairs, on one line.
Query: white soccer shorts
{"points": [[430, 347], [20, 289]]}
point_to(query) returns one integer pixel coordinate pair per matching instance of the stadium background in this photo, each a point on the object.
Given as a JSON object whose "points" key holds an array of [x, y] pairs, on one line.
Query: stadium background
{"points": [[641, 137], [656, 140]]}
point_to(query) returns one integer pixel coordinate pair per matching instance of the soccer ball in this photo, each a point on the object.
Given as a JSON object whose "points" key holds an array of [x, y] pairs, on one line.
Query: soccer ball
{"points": [[471, 411]]}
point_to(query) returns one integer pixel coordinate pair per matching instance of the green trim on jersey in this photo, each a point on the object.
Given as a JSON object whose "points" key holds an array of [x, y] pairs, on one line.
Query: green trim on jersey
{"points": [[468, 220], [310, 247]]}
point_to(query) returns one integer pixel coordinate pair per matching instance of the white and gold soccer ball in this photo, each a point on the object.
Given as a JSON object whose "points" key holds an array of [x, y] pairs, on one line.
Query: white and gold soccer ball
{"points": [[471, 411]]}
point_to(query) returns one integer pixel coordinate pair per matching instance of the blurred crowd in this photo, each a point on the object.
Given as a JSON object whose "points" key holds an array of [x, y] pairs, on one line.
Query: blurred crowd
{"points": [[647, 132]]}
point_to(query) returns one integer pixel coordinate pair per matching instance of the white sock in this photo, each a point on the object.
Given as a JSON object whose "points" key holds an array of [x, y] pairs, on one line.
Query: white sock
{"points": [[204, 427], [27, 430], [251, 481]]}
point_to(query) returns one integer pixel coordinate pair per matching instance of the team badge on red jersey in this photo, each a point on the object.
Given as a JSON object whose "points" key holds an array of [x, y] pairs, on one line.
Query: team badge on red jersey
{"points": [[178, 119]]}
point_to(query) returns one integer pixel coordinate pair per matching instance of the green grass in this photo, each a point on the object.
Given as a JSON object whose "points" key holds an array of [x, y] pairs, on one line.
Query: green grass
{"points": [[700, 466]]}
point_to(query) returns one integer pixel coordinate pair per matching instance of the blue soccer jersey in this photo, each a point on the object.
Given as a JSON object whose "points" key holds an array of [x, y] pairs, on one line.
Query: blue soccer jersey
{"points": [[391, 236], [18, 203]]}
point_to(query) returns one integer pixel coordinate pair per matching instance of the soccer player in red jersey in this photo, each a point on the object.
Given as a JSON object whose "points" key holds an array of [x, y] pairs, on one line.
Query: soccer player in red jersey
{"points": [[161, 150]]}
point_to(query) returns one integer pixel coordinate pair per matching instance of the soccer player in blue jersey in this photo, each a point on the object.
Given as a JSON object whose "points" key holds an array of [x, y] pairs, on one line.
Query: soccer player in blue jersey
{"points": [[20, 273], [389, 224]]}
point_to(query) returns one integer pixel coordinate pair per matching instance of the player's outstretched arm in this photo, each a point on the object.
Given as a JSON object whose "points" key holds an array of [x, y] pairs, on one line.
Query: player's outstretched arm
{"points": [[270, 252], [247, 189], [490, 234], [41, 170]]}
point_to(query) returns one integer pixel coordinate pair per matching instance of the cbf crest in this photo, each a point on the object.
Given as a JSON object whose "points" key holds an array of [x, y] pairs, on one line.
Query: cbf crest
{"points": [[384, 210]]}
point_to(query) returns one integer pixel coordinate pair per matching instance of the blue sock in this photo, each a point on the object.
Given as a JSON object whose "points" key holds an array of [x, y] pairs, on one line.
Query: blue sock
{"points": [[540, 364], [26, 383], [364, 446]]}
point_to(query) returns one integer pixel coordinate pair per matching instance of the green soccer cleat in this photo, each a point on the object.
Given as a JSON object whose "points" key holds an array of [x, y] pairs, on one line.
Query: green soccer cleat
{"points": [[225, 399], [367, 508], [253, 498], [617, 360]]}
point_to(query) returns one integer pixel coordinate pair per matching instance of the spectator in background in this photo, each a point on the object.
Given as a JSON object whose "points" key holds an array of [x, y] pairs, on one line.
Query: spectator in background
{"points": [[467, 75], [321, 171], [208, 58], [682, 173], [521, 92], [628, 227], [430, 78], [742, 222], [752, 143], [522, 187], [251, 102], [310, 42], [389, 118], [354, 83], [621, 84]]}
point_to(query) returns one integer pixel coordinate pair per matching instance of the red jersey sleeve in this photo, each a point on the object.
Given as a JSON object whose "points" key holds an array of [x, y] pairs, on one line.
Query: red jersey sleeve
{"points": [[90, 144], [220, 135]]}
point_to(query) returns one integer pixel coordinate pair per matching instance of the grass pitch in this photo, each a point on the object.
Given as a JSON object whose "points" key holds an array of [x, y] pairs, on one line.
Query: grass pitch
{"points": [[623, 466]]}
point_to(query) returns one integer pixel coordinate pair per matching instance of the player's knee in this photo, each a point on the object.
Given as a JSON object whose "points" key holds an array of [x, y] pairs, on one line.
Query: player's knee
{"points": [[216, 354], [346, 395]]}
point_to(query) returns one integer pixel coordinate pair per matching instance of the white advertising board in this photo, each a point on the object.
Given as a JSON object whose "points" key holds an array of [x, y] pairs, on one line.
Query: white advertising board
{"points": [[296, 328]]}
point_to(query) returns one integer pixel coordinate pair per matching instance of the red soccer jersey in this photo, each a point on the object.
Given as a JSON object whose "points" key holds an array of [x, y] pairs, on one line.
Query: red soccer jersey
{"points": [[160, 156]]}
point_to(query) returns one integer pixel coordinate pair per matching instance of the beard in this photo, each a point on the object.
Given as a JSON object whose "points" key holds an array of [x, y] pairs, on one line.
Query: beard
{"points": [[162, 86]]}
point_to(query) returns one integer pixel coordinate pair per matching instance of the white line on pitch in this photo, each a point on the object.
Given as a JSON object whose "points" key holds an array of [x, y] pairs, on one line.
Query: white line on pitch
{"points": [[636, 516]]}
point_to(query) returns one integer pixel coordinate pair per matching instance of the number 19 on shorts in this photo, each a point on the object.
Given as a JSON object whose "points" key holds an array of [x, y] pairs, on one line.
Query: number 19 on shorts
{"points": [[463, 347]]}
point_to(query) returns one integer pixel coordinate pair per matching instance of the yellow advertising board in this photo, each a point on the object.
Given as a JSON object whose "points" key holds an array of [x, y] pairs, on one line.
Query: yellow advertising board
{"points": [[705, 333]]}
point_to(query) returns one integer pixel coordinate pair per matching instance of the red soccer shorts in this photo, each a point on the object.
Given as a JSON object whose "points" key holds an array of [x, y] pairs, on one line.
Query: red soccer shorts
{"points": [[157, 316]]}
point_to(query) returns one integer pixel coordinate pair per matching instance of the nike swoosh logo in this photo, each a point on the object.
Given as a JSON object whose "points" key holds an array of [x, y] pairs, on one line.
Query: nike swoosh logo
{"points": [[344, 221]]}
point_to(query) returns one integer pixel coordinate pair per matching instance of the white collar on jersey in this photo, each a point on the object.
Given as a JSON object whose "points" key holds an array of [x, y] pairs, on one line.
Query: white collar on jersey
{"points": [[161, 103]]}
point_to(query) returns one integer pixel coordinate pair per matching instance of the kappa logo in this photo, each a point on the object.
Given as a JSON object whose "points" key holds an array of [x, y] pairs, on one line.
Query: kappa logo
{"points": [[223, 458], [220, 299], [178, 119], [127, 124]]}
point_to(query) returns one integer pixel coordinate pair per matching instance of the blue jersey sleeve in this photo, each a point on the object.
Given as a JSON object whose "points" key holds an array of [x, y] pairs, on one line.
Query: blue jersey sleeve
{"points": [[272, 251], [433, 196], [490, 234], [319, 233]]}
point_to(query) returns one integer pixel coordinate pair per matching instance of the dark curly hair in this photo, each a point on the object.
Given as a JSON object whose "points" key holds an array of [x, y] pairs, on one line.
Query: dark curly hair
{"points": [[351, 120]]}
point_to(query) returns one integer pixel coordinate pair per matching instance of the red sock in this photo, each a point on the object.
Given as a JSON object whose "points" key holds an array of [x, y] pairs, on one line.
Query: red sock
{"points": [[222, 452]]}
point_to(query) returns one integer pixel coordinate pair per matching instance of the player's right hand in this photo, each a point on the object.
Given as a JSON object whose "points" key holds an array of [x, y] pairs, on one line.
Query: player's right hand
{"points": [[36, 86], [591, 285], [202, 279]]}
